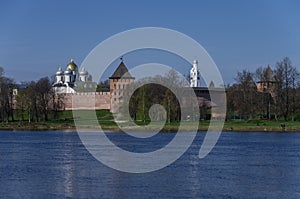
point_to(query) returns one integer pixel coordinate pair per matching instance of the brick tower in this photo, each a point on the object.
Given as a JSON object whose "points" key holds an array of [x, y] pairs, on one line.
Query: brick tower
{"points": [[119, 81]]}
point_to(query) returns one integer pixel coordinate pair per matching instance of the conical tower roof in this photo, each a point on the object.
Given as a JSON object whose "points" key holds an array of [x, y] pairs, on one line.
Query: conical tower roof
{"points": [[121, 72], [268, 75]]}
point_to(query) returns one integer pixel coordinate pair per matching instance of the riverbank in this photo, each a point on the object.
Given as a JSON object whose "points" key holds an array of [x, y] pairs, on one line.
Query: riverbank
{"points": [[64, 121], [240, 126]]}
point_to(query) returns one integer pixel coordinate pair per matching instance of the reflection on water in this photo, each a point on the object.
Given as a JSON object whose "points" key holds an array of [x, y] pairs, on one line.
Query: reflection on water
{"points": [[242, 165]]}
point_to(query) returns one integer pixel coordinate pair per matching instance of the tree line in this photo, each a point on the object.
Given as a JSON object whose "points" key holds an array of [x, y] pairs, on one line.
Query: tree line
{"points": [[33, 101], [266, 93]]}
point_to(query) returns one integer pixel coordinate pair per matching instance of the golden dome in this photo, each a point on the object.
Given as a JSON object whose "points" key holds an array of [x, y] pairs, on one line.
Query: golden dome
{"points": [[72, 66]]}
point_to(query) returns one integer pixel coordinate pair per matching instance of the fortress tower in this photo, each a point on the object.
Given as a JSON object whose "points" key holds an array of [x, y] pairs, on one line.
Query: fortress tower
{"points": [[120, 79], [268, 82]]}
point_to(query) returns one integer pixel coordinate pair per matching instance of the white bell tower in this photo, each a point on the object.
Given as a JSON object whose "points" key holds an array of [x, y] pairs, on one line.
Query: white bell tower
{"points": [[194, 75]]}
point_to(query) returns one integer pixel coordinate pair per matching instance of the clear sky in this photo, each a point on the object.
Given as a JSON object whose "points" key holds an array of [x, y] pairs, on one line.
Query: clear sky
{"points": [[38, 36]]}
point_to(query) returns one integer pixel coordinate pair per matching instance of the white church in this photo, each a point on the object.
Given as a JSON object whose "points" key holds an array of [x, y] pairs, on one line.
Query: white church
{"points": [[68, 80]]}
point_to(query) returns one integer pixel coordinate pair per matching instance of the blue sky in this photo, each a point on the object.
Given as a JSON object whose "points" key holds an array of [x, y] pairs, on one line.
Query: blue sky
{"points": [[38, 36]]}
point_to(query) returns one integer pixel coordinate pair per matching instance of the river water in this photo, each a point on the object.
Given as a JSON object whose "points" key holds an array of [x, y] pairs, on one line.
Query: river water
{"points": [[54, 164]]}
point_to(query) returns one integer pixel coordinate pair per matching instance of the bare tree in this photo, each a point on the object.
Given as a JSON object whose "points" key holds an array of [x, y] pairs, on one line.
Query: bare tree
{"points": [[284, 73], [246, 101], [43, 90], [294, 83], [6, 97]]}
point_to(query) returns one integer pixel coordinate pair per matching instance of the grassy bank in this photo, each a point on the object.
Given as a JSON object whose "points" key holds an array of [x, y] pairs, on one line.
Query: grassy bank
{"points": [[262, 126], [65, 121]]}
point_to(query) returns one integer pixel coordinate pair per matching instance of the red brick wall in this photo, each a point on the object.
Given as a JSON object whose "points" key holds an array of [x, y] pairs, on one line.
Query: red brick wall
{"points": [[97, 100]]}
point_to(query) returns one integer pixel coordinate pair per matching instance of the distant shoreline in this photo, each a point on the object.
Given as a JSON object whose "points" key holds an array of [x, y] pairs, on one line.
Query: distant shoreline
{"points": [[228, 127]]}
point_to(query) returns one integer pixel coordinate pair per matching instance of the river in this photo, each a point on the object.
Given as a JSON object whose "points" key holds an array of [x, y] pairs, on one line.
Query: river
{"points": [[54, 164]]}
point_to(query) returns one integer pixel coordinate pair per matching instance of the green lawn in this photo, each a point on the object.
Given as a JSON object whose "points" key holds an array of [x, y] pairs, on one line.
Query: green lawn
{"points": [[64, 120], [261, 123]]}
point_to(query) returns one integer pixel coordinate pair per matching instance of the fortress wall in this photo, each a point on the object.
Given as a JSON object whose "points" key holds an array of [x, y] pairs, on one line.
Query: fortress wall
{"points": [[90, 100]]}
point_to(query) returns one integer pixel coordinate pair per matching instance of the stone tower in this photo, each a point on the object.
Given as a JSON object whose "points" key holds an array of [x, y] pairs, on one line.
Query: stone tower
{"points": [[267, 83], [119, 81]]}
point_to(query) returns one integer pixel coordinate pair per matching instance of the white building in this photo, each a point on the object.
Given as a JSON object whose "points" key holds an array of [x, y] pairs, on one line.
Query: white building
{"points": [[67, 81], [195, 75]]}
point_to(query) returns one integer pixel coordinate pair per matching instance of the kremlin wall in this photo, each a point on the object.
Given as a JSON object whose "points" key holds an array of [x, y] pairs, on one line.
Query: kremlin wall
{"points": [[101, 100], [68, 84]]}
